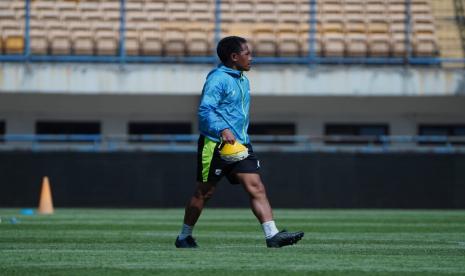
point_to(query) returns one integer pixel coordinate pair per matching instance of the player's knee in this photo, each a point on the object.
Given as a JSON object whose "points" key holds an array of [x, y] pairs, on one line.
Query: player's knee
{"points": [[205, 193], [208, 195], [257, 189]]}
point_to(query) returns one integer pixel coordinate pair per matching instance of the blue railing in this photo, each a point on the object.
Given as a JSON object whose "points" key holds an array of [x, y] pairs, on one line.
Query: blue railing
{"points": [[312, 57], [263, 143]]}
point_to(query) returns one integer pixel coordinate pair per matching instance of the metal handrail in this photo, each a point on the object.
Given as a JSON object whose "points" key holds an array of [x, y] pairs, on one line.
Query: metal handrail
{"points": [[281, 143]]}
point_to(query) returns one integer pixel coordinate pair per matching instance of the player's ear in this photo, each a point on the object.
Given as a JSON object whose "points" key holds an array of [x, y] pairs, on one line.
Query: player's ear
{"points": [[234, 57]]}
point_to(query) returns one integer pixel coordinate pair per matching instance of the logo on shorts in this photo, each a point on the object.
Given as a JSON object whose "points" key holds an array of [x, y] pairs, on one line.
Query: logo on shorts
{"points": [[218, 171], [258, 164]]}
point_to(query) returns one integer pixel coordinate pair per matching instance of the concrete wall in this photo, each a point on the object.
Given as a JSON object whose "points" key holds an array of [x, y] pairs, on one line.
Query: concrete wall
{"points": [[181, 79], [402, 113], [293, 180]]}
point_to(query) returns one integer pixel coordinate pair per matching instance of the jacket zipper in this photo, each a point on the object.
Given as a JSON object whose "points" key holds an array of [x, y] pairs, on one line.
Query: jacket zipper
{"points": [[243, 109]]}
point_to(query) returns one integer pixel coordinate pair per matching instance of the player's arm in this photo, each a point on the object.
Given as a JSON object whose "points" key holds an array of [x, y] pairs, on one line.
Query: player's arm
{"points": [[208, 115]]}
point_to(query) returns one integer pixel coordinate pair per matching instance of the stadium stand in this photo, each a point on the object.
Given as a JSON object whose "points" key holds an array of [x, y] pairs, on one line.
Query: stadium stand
{"points": [[351, 28]]}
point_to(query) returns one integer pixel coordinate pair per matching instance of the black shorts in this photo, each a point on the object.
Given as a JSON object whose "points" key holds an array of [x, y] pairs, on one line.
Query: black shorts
{"points": [[211, 168]]}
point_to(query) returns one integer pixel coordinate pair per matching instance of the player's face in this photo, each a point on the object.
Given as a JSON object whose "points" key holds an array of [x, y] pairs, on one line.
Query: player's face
{"points": [[242, 60]]}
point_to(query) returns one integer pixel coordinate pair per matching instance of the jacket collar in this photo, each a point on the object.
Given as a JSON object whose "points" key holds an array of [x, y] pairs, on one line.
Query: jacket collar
{"points": [[232, 72]]}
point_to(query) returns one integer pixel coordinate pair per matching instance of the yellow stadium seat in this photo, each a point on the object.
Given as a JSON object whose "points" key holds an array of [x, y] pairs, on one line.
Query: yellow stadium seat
{"points": [[245, 17], [227, 12], [60, 43], [151, 42], [238, 29], [136, 16], [397, 24], [379, 45], [375, 2], [4, 5], [109, 6], [201, 6], [132, 42], [266, 12], [396, 9], [85, 6], [288, 41], [11, 25], [178, 11], [423, 18], [333, 24], [154, 6], [398, 45], [356, 44], [375, 8], [202, 11], [7, 15], [243, 6], [70, 15], [16, 5], [114, 16], [38, 42], [198, 41], [49, 15], [106, 42], [378, 25], [92, 15], [62, 6], [14, 44], [356, 9], [158, 16], [43, 5], [423, 28], [79, 25], [264, 41], [354, 2], [355, 25], [83, 42], [134, 6], [292, 18], [174, 41], [104, 26], [287, 6], [203, 17], [330, 8], [424, 45], [420, 8], [333, 45]]}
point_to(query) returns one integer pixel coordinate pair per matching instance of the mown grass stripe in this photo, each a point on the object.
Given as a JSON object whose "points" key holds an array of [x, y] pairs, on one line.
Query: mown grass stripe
{"points": [[141, 242]]}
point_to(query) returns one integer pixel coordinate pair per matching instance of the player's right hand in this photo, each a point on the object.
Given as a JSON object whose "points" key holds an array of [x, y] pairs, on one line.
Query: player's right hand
{"points": [[227, 136]]}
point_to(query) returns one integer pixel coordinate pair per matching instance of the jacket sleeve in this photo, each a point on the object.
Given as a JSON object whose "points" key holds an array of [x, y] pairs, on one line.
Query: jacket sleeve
{"points": [[209, 118]]}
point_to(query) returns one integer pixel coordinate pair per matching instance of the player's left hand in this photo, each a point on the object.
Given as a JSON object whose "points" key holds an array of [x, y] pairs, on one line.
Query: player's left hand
{"points": [[227, 136]]}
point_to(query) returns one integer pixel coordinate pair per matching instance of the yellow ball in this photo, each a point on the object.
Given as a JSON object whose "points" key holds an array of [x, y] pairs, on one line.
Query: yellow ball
{"points": [[233, 153]]}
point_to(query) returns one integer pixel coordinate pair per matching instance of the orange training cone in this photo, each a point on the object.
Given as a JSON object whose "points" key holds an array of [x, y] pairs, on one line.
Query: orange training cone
{"points": [[45, 202]]}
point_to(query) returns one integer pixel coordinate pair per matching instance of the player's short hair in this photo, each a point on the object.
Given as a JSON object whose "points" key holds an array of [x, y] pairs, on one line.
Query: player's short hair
{"points": [[229, 45]]}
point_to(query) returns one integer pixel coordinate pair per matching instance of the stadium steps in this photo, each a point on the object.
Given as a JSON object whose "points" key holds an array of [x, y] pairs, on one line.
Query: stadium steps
{"points": [[447, 31]]}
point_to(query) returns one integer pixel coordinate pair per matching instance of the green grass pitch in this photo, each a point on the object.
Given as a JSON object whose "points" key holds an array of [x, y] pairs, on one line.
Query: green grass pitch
{"points": [[141, 242]]}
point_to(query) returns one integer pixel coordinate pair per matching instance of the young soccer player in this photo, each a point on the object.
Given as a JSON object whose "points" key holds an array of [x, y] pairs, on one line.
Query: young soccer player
{"points": [[224, 118]]}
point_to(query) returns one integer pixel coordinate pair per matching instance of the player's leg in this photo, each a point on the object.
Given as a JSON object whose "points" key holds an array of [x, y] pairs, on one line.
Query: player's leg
{"points": [[261, 207], [209, 168], [259, 203], [203, 192]]}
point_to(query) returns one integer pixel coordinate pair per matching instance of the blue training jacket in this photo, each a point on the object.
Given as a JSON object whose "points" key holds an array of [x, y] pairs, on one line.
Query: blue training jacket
{"points": [[225, 104]]}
